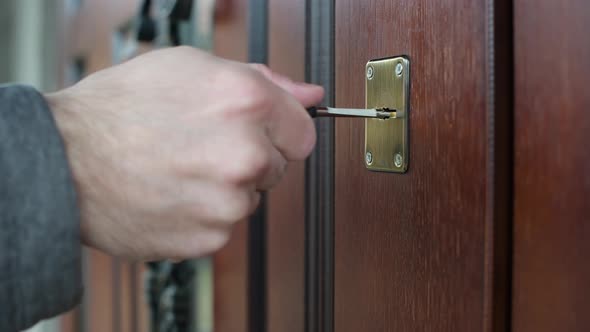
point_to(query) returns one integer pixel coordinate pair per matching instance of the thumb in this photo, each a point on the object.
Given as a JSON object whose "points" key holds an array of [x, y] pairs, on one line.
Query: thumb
{"points": [[307, 94]]}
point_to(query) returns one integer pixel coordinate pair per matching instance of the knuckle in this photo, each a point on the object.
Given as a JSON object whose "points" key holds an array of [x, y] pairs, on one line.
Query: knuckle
{"points": [[309, 139], [257, 163], [259, 166], [254, 97], [261, 68], [237, 206], [216, 241], [274, 176], [300, 146], [185, 49], [256, 100], [248, 165]]}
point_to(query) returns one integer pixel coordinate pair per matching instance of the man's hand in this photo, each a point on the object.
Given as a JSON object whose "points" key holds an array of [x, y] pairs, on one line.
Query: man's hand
{"points": [[170, 149]]}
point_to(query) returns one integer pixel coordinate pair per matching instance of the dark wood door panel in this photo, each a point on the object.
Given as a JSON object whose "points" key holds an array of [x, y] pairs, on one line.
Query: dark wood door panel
{"points": [[410, 249], [230, 272], [551, 284]]}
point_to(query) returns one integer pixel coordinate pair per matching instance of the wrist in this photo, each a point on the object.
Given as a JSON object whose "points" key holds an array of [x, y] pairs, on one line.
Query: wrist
{"points": [[61, 110], [64, 109]]}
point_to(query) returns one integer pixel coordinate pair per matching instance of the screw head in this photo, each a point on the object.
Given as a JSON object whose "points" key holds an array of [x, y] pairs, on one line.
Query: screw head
{"points": [[398, 160], [399, 69], [370, 72], [369, 158]]}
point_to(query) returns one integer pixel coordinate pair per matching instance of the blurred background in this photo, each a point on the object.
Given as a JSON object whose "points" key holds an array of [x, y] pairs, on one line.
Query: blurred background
{"points": [[52, 44]]}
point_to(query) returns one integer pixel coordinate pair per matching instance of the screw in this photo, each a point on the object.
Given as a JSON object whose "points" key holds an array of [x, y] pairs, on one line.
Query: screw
{"points": [[369, 158], [398, 160], [399, 68], [370, 72]]}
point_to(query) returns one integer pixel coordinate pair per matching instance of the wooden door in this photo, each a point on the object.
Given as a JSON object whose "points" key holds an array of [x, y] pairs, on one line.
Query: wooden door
{"points": [[551, 277], [487, 231], [424, 250]]}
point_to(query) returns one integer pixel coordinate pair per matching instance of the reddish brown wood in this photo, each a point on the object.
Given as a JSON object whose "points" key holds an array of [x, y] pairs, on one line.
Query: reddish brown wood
{"points": [[98, 293], [223, 9], [230, 264], [68, 322], [142, 307], [286, 207], [552, 185], [127, 298], [410, 249], [231, 33], [230, 281]]}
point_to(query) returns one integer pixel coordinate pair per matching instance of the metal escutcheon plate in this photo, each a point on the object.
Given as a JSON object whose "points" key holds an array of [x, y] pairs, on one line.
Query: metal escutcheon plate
{"points": [[386, 141]]}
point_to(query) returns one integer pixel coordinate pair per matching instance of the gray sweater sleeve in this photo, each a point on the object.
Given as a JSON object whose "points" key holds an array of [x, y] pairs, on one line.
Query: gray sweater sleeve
{"points": [[40, 272]]}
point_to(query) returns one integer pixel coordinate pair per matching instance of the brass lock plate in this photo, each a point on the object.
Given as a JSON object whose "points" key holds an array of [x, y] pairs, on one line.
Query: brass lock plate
{"points": [[386, 140]]}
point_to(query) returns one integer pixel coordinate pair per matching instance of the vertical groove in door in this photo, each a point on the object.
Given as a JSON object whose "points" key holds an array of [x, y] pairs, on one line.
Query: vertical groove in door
{"points": [[319, 182], [257, 269], [500, 111], [258, 53], [258, 31]]}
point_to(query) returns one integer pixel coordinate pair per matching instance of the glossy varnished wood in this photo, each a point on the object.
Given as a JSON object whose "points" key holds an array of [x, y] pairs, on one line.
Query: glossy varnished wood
{"points": [[410, 249], [285, 205], [552, 162]]}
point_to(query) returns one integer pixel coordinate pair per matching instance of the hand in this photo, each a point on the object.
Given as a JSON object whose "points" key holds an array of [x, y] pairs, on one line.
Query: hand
{"points": [[170, 149]]}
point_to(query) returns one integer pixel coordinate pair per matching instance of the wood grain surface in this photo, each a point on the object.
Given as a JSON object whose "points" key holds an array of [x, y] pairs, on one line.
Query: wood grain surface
{"points": [[285, 205], [552, 162], [410, 250]]}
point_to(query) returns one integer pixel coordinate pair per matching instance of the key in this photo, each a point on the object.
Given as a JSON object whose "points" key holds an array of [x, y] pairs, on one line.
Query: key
{"points": [[374, 113]]}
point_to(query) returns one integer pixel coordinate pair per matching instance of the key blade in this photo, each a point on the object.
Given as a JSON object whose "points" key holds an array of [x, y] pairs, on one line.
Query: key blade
{"points": [[360, 112]]}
